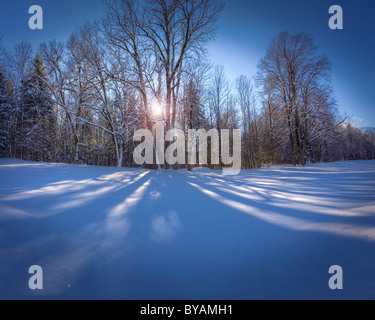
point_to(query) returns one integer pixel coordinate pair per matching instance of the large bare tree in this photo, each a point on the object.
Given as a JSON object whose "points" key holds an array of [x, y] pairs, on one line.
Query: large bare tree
{"points": [[298, 79], [160, 36]]}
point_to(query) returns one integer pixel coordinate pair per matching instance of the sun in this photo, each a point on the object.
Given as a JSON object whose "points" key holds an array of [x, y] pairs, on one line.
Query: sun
{"points": [[157, 109]]}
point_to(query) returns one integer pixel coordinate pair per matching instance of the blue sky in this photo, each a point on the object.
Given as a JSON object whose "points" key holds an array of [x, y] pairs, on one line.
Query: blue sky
{"points": [[245, 28]]}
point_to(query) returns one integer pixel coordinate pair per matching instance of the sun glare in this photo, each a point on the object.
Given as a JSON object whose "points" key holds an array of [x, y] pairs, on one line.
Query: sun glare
{"points": [[157, 109]]}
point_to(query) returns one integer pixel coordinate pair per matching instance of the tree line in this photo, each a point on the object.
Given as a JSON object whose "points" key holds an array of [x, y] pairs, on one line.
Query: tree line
{"points": [[81, 101]]}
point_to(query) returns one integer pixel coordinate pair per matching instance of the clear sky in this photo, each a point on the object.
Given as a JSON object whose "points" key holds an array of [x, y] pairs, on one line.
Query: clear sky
{"points": [[245, 28]]}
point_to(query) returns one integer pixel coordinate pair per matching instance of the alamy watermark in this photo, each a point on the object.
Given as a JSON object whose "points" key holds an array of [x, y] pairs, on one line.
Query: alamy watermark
{"points": [[336, 22], [336, 282], [176, 151], [36, 280], [36, 20]]}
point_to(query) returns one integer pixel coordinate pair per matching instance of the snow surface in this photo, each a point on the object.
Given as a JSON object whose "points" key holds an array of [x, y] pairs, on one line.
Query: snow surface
{"points": [[108, 233]]}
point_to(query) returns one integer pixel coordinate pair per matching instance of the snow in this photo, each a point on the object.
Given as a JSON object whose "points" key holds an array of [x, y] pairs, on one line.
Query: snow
{"points": [[116, 233]]}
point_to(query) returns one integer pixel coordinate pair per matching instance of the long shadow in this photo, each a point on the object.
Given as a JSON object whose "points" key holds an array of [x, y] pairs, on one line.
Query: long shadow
{"points": [[64, 243], [179, 243], [216, 252], [81, 209], [267, 205]]}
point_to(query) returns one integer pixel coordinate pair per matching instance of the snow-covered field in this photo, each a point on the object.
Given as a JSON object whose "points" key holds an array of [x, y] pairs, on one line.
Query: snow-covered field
{"points": [[106, 233]]}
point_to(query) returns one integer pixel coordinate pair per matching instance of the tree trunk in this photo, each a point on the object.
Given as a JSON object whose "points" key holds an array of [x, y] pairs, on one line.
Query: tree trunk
{"points": [[74, 150]]}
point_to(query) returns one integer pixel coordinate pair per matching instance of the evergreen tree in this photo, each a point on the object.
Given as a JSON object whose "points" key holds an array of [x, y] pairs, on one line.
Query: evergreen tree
{"points": [[12, 100], [5, 111], [38, 116], [193, 110]]}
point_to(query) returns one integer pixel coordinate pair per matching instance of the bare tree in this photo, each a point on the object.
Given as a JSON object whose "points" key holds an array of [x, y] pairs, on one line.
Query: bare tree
{"points": [[293, 72], [109, 98], [218, 96], [178, 30], [172, 31], [274, 131], [21, 61], [122, 30], [66, 66]]}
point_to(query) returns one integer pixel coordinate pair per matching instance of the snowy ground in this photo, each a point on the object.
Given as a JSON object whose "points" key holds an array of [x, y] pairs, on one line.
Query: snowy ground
{"points": [[106, 233]]}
